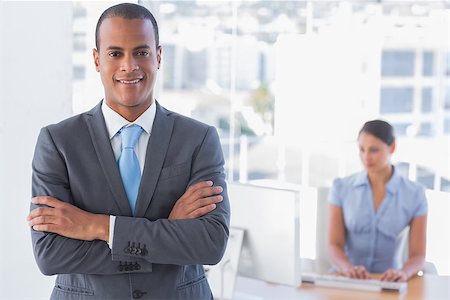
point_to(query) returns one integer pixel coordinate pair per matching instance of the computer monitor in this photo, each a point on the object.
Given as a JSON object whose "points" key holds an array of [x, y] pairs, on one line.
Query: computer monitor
{"points": [[271, 223]]}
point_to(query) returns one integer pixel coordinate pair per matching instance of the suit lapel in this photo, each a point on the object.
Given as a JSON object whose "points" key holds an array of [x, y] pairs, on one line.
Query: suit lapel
{"points": [[154, 158], [100, 138]]}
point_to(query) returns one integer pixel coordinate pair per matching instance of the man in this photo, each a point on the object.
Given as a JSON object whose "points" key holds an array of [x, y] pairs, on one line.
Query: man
{"points": [[129, 198]]}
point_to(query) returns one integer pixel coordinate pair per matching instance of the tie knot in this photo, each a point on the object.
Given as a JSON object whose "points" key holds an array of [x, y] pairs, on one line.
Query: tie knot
{"points": [[130, 135]]}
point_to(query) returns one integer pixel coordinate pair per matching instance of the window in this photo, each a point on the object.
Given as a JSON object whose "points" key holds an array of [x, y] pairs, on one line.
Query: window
{"points": [[79, 11], [79, 72], [425, 177], [445, 185], [426, 129], [400, 128], [427, 67], [447, 99], [427, 100], [79, 41], [402, 168], [195, 77], [447, 64], [397, 63], [396, 100], [168, 66], [447, 126]]}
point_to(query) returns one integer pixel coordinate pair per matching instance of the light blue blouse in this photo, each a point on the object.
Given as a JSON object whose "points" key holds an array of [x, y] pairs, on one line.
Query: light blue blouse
{"points": [[373, 237]]}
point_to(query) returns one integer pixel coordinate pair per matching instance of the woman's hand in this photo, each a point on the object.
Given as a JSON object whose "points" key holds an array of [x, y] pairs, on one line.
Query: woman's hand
{"points": [[394, 275], [358, 272]]}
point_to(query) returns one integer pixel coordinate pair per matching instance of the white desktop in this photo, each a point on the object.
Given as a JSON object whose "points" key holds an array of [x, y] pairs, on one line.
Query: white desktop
{"points": [[269, 220], [271, 223]]}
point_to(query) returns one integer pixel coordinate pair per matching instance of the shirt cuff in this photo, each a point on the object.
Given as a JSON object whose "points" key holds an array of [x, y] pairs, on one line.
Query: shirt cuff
{"points": [[112, 222]]}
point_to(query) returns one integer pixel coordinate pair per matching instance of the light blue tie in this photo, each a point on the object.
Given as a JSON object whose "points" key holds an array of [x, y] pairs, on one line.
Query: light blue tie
{"points": [[129, 163]]}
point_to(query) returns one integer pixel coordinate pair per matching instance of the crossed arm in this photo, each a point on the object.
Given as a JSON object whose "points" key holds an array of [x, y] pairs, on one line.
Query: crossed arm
{"points": [[67, 239], [72, 222]]}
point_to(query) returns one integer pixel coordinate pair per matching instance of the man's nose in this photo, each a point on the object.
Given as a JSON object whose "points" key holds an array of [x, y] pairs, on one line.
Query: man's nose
{"points": [[129, 64]]}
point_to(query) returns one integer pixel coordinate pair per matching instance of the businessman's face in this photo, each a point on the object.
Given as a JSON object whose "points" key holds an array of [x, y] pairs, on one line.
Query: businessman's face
{"points": [[128, 62]]}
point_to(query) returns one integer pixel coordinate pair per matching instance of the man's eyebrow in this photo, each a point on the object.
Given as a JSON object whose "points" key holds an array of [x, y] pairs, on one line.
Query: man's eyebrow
{"points": [[144, 46], [114, 48]]}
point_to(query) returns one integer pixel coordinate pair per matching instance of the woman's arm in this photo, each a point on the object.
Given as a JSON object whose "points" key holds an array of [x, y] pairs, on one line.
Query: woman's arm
{"points": [[417, 249], [417, 246], [336, 244]]}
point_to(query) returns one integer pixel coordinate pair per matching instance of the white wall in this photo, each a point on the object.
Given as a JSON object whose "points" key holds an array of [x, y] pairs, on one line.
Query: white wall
{"points": [[35, 90]]}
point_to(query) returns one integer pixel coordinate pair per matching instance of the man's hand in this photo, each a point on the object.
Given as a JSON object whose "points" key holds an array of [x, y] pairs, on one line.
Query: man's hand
{"points": [[394, 275], [198, 200], [358, 272], [67, 220]]}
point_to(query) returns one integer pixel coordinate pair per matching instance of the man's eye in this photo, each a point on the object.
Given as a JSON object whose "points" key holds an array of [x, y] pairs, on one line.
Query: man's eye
{"points": [[114, 54], [142, 53]]}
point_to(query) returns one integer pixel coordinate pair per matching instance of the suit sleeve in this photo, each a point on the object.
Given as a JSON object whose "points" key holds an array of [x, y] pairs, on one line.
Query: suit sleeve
{"points": [[186, 241], [56, 254]]}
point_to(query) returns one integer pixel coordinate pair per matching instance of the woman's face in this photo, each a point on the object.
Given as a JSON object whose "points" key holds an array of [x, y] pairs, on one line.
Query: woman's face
{"points": [[374, 153]]}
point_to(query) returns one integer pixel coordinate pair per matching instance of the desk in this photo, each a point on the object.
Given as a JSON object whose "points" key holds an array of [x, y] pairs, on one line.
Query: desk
{"points": [[428, 287]]}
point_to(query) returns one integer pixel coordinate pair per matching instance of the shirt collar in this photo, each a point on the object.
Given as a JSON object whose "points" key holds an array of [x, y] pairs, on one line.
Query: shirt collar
{"points": [[394, 182], [115, 121], [361, 179], [391, 185]]}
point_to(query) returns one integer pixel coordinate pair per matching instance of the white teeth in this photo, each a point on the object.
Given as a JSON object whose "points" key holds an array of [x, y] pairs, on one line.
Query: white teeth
{"points": [[130, 81]]}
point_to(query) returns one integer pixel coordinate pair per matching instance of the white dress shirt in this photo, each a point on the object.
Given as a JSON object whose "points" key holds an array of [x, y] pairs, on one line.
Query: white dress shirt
{"points": [[114, 122]]}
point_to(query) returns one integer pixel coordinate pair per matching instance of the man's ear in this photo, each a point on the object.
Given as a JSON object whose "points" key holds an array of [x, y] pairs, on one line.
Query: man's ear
{"points": [[96, 59], [159, 55]]}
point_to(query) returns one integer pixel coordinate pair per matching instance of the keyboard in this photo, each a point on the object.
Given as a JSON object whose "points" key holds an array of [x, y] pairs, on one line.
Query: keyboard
{"points": [[335, 281]]}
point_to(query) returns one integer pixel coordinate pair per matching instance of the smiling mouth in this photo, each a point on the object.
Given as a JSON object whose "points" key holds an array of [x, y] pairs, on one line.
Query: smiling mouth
{"points": [[134, 81]]}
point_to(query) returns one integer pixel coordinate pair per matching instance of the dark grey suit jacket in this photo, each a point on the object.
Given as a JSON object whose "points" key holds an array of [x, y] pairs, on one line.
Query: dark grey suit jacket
{"points": [[151, 258]]}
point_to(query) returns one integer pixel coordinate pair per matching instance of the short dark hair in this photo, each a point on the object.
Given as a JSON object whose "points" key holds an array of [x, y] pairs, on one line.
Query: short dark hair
{"points": [[127, 11], [380, 129]]}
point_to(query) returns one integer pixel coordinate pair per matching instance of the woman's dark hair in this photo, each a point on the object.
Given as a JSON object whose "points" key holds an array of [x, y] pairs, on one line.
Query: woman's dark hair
{"points": [[380, 129]]}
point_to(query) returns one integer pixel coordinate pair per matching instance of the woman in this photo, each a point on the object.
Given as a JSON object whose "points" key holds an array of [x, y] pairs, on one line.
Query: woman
{"points": [[370, 209]]}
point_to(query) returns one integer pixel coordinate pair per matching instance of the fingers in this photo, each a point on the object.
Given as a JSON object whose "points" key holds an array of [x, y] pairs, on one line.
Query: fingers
{"points": [[46, 200], [388, 275], [358, 272], [40, 211], [350, 273], [202, 206], [393, 275], [361, 272], [202, 211], [46, 227], [42, 220], [200, 192], [199, 185], [47, 223], [206, 201], [198, 200]]}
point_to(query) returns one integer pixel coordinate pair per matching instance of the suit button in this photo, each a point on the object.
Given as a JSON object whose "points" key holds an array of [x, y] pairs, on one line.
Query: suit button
{"points": [[137, 266], [138, 294], [127, 249], [144, 252], [120, 267]]}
